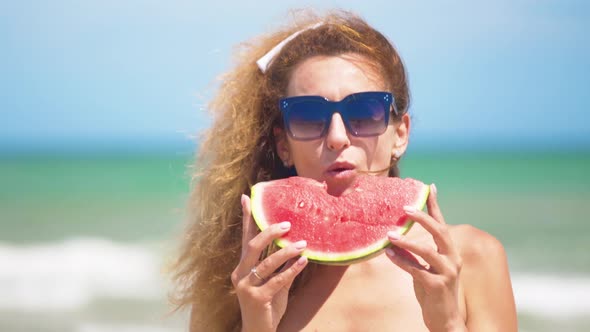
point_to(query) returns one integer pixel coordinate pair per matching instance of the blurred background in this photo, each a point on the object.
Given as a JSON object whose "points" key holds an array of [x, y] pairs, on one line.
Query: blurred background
{"points": [[101, 104]]}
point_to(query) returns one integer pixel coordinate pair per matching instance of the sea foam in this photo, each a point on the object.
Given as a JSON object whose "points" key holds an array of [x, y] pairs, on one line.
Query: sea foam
{"points": [[557, 296], [68, 275]]}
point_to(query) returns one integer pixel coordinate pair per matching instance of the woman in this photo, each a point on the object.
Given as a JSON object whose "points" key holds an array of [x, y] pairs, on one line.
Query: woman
{"points": [[438, 277]]}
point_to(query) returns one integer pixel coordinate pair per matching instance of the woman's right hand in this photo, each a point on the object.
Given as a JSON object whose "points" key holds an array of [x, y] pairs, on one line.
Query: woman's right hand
{"points": [[262, 293]]}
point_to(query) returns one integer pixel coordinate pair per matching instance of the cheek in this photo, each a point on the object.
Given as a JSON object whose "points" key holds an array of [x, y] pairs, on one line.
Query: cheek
{"points": [[389, 138], [380, 152], [305, 152], [379, 147], [384, 147]]}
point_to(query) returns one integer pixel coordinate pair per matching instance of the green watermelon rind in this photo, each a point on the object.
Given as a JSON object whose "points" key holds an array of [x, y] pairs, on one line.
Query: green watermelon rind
{"points": [[340, 258]]}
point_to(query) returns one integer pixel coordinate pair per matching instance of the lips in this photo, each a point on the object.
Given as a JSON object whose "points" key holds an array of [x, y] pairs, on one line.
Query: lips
{"points": [[339, 167], [339, 177]]}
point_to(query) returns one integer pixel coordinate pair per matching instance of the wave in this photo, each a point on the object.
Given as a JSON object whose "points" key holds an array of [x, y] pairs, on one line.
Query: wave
{"points": [[557, 296], [94, 327], [71, 274]]}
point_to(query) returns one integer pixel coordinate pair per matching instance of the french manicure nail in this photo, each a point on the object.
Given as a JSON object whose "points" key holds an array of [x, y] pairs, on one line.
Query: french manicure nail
{"points": [[390, 252], [300, 244], [433, 188], [243, 200], [285, 225], [302, 260], [393, 235], [409, 209]]}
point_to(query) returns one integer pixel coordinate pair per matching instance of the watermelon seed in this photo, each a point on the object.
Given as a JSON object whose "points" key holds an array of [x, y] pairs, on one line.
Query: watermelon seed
{"points": [[302, 204]]}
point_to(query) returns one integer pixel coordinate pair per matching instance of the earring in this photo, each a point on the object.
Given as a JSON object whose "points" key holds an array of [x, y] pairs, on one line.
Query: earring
{"points": [[395, 156], [286, 163]]}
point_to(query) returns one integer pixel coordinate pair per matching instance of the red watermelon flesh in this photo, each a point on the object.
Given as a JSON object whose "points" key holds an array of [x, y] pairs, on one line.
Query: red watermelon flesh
{"points": [[343, 229]]}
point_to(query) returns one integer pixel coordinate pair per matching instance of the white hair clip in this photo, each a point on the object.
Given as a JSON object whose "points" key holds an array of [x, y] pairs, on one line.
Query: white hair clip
{"points": [[265, 60]]}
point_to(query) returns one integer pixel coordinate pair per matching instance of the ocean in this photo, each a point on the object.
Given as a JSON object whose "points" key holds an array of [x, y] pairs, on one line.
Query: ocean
{"points": [[85, 239]]}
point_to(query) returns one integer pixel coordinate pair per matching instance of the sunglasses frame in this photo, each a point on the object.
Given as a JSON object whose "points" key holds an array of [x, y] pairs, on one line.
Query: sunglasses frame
{"points": [[285, 105]]}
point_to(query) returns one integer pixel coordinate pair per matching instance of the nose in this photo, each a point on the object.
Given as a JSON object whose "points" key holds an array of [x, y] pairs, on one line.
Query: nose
{"points": [[337, 137]]}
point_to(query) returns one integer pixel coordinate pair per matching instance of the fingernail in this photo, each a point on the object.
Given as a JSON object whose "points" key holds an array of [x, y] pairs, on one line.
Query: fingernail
{"points": [[433, 188], [300, 244], [409, 209], [243, 200], [390, 252], [393, 235], [301, 260], [285, 225]]}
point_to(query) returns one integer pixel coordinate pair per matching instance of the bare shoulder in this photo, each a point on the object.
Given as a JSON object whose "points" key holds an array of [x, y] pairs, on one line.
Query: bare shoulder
{"points": [[485, 279], [474, 244]]}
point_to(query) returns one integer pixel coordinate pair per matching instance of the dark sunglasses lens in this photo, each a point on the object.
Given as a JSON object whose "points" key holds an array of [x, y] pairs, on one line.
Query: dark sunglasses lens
{"points": [[307, 120], [367, 116]]}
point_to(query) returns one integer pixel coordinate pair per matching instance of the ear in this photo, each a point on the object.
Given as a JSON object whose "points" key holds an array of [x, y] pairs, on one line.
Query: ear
{"points": [[402, 135], [282, 146]]}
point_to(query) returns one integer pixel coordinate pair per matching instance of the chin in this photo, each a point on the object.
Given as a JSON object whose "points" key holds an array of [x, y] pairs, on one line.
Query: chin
{"points": [[341, 183]]}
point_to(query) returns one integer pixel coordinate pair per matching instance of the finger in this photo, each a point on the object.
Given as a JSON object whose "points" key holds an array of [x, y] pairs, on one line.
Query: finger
{"points": [[285, 266], [439, 231], [271, 263], [432, 205], [436, 261], [255, 278], [288, 265], [258, 243], [284, 278], [406, 261]]}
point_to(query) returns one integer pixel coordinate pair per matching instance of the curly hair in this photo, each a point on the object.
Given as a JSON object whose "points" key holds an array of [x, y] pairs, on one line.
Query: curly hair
{"points": [[239, 150]]}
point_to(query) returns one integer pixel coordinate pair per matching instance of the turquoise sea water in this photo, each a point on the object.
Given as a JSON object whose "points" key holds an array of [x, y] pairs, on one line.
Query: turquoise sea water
{"points": [[84, 240]]}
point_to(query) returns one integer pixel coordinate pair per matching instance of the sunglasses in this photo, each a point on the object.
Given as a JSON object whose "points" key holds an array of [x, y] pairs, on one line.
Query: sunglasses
{"points": [[364, 114]]}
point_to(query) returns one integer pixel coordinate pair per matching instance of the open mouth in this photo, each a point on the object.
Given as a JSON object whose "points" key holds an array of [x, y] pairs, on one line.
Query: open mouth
{"points": [[339, 177], [339, 168]]}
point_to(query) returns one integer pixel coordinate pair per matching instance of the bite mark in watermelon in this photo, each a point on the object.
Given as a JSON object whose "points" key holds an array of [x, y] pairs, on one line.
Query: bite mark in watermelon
{"points": [[343, 229]]}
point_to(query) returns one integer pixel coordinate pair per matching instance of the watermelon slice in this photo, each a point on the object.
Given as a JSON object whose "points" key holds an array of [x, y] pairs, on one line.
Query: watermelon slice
{"points": [[338, 230]]}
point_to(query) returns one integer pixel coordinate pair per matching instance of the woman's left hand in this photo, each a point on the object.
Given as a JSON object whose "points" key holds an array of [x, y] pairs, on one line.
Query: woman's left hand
{"points": [[437, 284]]}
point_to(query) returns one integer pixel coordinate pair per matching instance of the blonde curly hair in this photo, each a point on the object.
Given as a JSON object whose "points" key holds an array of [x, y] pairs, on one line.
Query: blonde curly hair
{"points": [[239, 151]]}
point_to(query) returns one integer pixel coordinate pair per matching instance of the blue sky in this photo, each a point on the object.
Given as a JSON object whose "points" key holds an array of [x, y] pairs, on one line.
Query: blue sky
{"points": [[88, 74]]}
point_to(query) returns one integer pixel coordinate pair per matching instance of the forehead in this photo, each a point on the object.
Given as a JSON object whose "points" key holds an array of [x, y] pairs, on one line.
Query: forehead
{"points": [[334, 77]]}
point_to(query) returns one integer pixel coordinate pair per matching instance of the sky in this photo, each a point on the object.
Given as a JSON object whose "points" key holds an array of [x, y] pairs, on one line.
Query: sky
{"points": [[103, 74]]}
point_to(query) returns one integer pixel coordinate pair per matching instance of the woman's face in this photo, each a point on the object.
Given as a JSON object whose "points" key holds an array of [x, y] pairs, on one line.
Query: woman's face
{"points": [[337, 157]]}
